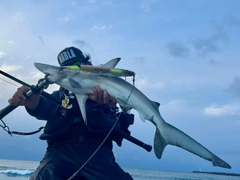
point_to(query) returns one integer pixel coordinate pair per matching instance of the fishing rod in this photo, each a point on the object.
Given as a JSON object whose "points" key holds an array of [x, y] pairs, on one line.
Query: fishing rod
{"points": [[43, 83]]}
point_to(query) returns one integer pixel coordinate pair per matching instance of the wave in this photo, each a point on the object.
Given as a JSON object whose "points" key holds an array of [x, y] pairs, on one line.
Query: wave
{"points": [[16, 172]]}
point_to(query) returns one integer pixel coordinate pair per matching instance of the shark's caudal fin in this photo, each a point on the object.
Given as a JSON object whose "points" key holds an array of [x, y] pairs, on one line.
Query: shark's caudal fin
{"points": [[219, 162], [171, 135]]}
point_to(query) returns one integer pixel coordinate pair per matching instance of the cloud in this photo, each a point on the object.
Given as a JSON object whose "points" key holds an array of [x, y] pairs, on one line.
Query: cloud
{"points": [[19, 17], [212, 61], [177, 49], [66, 18], [140, 60], [8, 85], [231, 20], [8, 68], [175, 108], [202, 46], [145, 83], [2, 54], [176, 105], [146, 4], [102, 27], [81, 43], [215, 110], [234, 87], [212, 43], [145, 7]]}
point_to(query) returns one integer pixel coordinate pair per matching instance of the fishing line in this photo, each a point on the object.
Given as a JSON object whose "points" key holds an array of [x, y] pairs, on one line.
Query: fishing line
{"points": [[8, 82], [4, 126], [117, 119]]}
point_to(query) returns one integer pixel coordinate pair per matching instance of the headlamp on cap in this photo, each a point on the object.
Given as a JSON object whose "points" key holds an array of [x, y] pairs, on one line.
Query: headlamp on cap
{"points": [[72, 56]]}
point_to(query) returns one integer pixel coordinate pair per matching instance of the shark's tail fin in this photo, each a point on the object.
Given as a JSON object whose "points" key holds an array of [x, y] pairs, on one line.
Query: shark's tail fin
{"points": [[171, 135], [216, 161]]}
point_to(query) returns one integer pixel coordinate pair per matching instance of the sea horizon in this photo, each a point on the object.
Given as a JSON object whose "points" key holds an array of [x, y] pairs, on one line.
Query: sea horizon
{"points": [[22, 170]]}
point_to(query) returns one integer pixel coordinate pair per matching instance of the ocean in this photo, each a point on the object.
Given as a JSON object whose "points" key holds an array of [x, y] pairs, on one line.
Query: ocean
{"points": [[22, 170]]}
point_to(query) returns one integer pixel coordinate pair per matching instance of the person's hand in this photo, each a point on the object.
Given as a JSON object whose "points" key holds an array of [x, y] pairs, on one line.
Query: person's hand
{"points": [[19, 99], [102, 97]]}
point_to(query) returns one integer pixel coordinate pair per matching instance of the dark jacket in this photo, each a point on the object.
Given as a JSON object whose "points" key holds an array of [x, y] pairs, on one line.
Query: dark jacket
{"points": [[72, 145], [100, 119]]}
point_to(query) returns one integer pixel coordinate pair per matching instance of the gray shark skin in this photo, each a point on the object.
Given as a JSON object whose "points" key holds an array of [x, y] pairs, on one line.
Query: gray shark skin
{"points": [[127, 95]]}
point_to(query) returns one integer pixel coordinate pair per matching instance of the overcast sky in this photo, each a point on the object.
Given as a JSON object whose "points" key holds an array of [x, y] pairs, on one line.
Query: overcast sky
{"points": [[185, 55]]}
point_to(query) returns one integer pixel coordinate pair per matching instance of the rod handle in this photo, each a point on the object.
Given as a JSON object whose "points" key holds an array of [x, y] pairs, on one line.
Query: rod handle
{"points": [[5, 111], [135, 141], [9, 108]]}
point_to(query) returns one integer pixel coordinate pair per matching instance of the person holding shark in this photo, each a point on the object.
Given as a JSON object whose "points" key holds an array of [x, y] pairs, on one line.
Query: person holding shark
{"points": [[76, 150]]}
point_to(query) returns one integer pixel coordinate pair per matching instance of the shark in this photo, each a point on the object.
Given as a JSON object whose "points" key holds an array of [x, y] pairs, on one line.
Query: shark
{"points": [[127, 95]]}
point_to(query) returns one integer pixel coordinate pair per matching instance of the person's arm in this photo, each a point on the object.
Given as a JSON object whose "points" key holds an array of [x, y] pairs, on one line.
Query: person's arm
{"points": [[36, 105], [45, 110]]}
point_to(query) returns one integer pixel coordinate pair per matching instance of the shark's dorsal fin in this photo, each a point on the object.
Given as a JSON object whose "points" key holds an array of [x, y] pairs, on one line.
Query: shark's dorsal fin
{"points": [[112, 63], [82, 105]]}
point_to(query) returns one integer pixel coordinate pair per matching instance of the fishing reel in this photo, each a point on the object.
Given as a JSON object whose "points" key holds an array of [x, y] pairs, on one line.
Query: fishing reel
{"points": [[42, 84]]}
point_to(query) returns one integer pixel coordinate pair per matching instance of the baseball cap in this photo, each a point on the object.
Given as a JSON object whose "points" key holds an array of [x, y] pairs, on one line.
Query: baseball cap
{"points": [[72, 55]]}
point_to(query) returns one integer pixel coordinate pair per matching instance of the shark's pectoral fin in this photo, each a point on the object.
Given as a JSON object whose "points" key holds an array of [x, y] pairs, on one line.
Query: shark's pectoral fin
{"points": [[159, 144], [82, 105], [142, 117]]}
